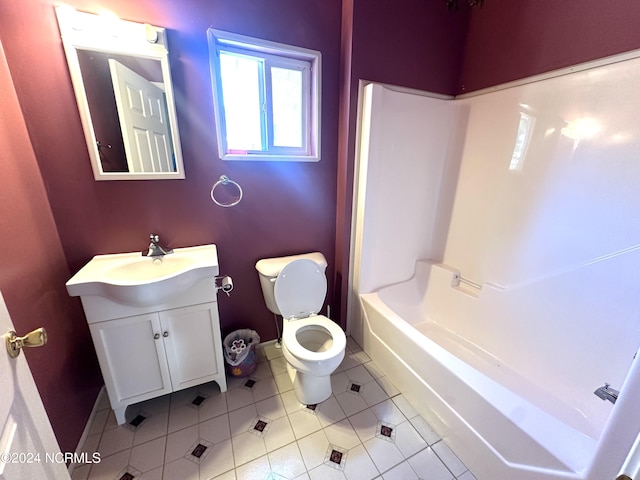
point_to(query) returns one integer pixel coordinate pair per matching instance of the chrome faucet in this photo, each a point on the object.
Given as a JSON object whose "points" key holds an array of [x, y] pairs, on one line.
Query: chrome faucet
{"points": [[607, 393], [156, 249]]}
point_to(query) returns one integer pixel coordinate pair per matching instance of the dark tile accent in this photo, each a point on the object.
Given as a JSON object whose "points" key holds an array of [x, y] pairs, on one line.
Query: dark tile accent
{"points": [[355, 387], [249, 383], [260, 425], [312, 407], [198, 400], [386, 431], [336, 456], [199, 450], [126, 476], [136, 422]]}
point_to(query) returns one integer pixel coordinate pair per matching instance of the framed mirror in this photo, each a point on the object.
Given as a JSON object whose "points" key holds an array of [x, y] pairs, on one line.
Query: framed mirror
{"points": [[122, 82]]}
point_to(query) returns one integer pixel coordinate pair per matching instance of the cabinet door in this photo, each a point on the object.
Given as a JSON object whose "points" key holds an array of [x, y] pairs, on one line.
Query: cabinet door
{"points": [[193, 345], [133, 362]]}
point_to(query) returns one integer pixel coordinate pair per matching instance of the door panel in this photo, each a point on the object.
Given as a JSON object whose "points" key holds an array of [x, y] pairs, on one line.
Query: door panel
{"points": [[28, 447]]}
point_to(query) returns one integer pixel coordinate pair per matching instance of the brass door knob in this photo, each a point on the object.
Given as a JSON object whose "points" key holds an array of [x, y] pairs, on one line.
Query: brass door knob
{"points": [[36, 338]]}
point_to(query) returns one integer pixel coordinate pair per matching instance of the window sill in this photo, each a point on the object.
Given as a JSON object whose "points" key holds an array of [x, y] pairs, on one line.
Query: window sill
{"points": [[271, 158]]}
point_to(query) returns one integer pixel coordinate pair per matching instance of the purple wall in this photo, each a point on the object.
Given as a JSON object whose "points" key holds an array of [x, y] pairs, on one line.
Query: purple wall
{"points": [[509, 40], [33, 271], [287, 208]]}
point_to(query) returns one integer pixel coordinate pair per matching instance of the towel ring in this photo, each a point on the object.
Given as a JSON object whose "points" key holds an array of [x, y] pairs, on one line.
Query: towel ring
{"points": [[224, 180]]}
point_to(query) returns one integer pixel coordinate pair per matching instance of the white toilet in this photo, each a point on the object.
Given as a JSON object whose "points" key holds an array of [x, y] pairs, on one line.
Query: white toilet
{"points": [[312, 344]]}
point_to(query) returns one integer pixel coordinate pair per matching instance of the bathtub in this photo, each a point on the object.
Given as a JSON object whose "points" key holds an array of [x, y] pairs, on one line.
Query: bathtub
{"points": [[500, 424]]}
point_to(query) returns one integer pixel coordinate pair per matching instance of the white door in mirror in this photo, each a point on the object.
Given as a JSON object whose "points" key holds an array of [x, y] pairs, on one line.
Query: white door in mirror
{"points": [[142, 113]]}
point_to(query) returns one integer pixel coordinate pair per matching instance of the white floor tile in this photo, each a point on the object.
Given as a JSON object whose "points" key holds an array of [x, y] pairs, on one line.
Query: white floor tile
{"points": [[290, 402], [287, 461], [388, 412], [110, 466], [271, 408], [155, 474], [154, 426], [364, 423], [467, 476], [215, 429], [247, 447], [238, 398], [359, 465], [264, 389], [426, 464], [313, 449], [387, 386], [262, 371], [329, 412], [402, 471], [325, 472], [230, 475], [351, 403], [240, 420], [213, 406], [408, 440], [304, 423], [384, 454], [279, 434], [372, 393], [218, 460], [405, 407], [283, 382], [278, 366], [148, 456], [342, 435], [181, 469], [339, 383], [296, 443], [182, 416], [257, 469], [359, 375], [115, 440], [449, 458], [178, 443], [353, 345], [425, 430], [373, 369]]}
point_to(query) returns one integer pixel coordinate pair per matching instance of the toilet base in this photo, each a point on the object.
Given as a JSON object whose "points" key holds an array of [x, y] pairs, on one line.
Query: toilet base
{"points": [[309, 389]]}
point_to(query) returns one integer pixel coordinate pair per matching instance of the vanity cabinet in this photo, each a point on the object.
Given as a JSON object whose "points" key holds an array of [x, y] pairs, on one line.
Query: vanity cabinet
{"points": [[149, 355], [154, 322]]}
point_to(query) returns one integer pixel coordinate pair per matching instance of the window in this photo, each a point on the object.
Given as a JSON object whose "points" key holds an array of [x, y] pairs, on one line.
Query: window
{"points": [[266, 98]]}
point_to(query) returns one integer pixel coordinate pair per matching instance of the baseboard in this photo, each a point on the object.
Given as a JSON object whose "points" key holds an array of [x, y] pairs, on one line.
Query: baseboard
{"points": [[87, 428]]}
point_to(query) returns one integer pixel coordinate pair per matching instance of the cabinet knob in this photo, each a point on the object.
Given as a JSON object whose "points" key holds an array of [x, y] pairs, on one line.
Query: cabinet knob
{"points": [[165, 334], [156, 336]]}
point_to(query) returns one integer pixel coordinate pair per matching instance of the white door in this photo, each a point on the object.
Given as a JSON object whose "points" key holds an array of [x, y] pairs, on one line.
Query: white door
{"points": [[143, 119], [28, 447]]}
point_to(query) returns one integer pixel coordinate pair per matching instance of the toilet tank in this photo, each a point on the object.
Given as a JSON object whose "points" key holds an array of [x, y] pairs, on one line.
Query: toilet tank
{"points": [[269, 268]]}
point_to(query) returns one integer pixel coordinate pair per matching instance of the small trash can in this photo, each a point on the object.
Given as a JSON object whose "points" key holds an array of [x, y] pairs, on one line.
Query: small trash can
{"points": [[240, 352]]}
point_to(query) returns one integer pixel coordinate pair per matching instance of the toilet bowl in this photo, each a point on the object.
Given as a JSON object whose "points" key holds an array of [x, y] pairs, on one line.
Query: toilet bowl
{"points": [[312, 344]]}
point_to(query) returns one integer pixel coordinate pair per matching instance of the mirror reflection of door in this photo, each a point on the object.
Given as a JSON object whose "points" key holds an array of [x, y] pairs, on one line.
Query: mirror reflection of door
{"points": [[143, 118]]}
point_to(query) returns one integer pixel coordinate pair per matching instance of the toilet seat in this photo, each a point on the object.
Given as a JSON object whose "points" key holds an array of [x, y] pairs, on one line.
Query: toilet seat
{"points": [[290, 338], [300, 289]]}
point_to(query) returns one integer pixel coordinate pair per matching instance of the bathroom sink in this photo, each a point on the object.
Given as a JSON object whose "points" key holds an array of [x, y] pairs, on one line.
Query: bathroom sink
{"points": [[135, 280]]}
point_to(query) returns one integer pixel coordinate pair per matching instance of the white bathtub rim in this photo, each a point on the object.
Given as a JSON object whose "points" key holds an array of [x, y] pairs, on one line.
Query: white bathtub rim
{"points": [[564, 446]]}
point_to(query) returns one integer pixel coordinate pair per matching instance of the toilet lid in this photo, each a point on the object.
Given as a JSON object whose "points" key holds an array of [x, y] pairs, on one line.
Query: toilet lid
{"points": [[300, 289]]}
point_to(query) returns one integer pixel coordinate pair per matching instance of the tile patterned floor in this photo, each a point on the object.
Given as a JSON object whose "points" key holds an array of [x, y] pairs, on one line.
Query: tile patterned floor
{"points": [[258, 430]]}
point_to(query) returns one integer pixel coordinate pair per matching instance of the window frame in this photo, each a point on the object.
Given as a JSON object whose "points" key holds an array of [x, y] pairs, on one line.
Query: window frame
{"points": [[274, 55]]}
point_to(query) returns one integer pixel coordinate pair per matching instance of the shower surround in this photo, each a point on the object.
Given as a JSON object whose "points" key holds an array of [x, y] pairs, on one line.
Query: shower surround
{"points": [[496, 265]]}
